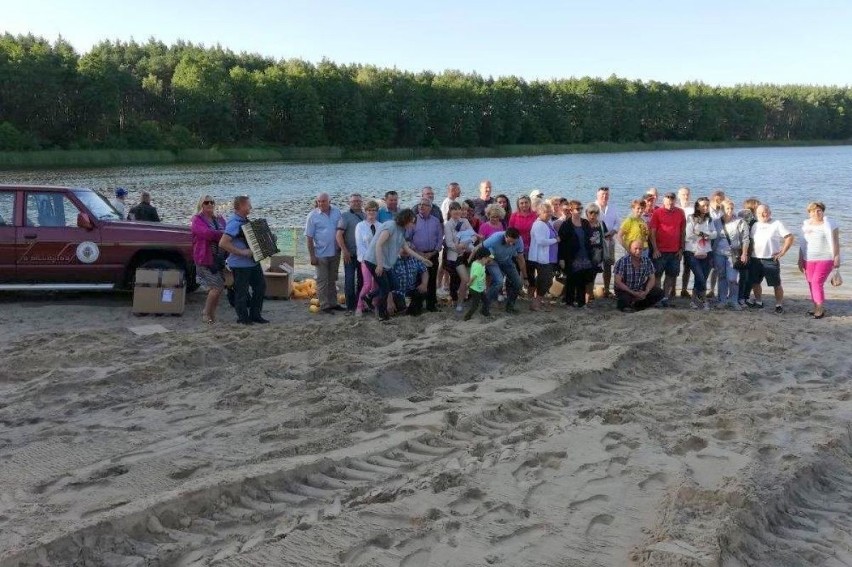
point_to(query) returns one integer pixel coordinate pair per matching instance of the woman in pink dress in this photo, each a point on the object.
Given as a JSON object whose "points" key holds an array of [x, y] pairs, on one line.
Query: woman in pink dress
{"points": [[523, 219]]}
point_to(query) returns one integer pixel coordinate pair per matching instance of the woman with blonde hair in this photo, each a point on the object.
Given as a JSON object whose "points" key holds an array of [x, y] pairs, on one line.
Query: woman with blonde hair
{"points": [[731, 254], [207, 229], [495, 215], [819, 254]]}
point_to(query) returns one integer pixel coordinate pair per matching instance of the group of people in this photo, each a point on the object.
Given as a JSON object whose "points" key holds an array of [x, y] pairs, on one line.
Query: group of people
{"points": [[481, 252]]}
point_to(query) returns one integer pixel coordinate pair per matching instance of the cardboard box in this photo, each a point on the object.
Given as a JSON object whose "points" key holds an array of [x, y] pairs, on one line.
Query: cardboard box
{"points": [[281, 264], [278, 285], [159, 292], [556, 288]]}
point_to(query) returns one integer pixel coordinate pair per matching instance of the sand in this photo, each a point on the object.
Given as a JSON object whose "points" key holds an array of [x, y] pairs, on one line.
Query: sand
{"points": [[667, 437]]}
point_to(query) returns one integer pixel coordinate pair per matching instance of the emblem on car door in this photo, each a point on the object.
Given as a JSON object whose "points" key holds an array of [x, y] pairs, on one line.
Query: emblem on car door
{"points": [[88, 252]]}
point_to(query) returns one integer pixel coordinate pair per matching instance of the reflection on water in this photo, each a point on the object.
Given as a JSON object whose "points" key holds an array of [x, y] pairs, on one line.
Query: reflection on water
{"points": [[786, 178]]}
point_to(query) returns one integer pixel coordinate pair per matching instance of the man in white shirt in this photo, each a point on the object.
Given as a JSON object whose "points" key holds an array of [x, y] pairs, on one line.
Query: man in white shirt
{"points": [[612, 220], [685, 204], [119, 204], [453, 194], [770, 240]]}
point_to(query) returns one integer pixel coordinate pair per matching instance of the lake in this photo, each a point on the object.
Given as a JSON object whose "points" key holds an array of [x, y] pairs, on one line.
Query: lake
{"points": [[785, 178]]}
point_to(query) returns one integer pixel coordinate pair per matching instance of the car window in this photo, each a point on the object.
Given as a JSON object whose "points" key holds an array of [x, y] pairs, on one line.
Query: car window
{"points": [[97, 204], [7, 208], [50, 210]]}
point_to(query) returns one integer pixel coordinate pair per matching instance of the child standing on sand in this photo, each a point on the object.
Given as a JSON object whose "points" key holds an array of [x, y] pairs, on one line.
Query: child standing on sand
{"points": [[481, 258]]}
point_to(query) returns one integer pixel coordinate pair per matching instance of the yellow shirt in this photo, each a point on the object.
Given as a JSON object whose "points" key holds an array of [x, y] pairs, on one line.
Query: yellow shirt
{"points": [[634, 228]]}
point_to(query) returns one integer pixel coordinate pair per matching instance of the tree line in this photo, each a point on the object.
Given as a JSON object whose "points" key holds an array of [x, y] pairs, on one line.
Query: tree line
{"points": [[127, 95]]}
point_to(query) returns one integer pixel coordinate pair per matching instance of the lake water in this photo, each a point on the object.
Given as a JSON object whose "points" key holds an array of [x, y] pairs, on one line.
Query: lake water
{"points": [[785, 178]]}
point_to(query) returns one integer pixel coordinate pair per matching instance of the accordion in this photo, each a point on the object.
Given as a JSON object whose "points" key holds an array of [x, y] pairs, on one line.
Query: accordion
{"points": [[260, 239]]}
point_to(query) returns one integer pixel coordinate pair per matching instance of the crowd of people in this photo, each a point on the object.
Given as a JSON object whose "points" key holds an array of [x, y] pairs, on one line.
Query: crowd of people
{"points": [[482, 252]]}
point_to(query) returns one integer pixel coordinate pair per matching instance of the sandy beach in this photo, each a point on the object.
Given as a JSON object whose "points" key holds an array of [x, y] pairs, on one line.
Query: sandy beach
{"points": [[573, 437]]}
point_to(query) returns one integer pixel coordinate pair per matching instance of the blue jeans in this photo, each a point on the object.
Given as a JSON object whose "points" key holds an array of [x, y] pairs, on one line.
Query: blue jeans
{"points": [[385, 284], [701, 270], [352, 282], [497, 270], [727, 279]]}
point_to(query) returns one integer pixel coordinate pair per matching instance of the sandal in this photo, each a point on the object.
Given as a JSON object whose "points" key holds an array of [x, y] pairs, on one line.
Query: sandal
{"points": [[207, 319]]}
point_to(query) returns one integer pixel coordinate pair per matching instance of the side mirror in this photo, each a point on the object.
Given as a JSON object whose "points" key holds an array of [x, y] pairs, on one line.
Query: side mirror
{"points": [[84, 221]]}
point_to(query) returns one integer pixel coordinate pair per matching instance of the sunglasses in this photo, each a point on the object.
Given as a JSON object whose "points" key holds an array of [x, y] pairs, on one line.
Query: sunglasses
{"points": [[591, 212], [209, 203]]}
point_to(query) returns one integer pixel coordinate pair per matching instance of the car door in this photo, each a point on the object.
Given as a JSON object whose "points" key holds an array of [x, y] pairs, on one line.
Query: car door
{"points": [[7, 236], [52, 248]]}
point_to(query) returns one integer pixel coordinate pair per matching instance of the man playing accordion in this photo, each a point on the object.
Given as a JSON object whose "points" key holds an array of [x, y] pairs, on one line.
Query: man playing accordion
{"points": [[249, 283]]}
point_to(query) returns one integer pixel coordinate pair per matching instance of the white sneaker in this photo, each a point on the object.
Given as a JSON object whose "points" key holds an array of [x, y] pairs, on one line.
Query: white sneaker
{"points": [[459, 307], [706, 306]]}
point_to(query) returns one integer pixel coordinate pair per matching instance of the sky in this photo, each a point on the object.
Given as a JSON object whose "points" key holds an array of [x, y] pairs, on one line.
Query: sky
{"points": [[719, 42]]}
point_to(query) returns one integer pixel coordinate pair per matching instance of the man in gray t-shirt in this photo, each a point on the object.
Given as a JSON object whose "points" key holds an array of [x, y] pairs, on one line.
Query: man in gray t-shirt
{"points": [[352, 278]]}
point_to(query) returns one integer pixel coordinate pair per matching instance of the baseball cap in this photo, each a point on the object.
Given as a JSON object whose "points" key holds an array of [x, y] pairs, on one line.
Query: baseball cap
{"points": [[536, 194], [121, 192]]}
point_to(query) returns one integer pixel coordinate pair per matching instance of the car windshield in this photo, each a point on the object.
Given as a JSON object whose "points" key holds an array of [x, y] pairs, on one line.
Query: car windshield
{"points": [[97, 204]]}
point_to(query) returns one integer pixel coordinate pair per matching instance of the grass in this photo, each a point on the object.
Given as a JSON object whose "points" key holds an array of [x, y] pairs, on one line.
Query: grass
{"points": [[57, 159]]}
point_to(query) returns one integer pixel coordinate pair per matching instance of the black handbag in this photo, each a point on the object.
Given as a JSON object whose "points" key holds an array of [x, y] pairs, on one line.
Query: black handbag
{"points": [[219, 260]]}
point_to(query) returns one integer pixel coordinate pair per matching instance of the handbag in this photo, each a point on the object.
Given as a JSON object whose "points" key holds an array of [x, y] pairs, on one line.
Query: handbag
{"points": [[219, 255], [219, 258], [836, 279]]}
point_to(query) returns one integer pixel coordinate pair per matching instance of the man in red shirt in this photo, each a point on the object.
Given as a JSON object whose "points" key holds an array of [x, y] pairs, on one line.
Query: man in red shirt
{"points": [[668, 231]]}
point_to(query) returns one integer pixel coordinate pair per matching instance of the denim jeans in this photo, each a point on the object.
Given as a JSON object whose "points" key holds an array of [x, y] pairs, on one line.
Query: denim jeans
{"points": [[701, 270], [728, 290], [499, 270], [353, 281], [385, 284]]}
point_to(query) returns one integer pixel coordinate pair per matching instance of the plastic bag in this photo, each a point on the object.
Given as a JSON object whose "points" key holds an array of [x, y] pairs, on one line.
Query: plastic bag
{"points": [[836, 279]]}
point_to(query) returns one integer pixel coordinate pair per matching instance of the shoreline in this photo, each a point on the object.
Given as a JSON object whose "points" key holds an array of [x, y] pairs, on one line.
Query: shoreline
{"points": [[61, 159]]}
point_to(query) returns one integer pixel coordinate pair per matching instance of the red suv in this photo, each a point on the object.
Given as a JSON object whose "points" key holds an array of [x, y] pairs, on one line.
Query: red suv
{"points": [[57, 237]]}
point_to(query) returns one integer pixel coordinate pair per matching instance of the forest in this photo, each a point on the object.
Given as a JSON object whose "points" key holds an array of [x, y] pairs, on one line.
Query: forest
{"points": [[129, 95]]}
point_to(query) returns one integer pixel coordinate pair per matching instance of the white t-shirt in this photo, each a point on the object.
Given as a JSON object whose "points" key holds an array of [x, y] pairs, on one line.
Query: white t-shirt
{"points": [[818, 240], [445, 207], [610, 217], [768, 238]]}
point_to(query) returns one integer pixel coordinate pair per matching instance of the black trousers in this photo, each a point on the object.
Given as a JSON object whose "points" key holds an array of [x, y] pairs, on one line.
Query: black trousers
{"points": [[432, 286], [475, 299], [575, 286], [627, 300], [249, 289]]}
